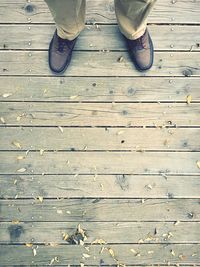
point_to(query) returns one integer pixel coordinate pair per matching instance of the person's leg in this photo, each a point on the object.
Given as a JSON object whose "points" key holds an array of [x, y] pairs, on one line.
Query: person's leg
{"points": [[132, 19], [69, 16], [132, 16]]}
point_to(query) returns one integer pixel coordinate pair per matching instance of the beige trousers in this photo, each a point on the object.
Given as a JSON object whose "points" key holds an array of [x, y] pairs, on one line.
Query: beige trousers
{"points": [[69, 16]]}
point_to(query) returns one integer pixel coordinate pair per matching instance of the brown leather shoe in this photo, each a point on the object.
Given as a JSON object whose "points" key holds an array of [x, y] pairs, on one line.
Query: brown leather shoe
{"points": [[141, 51], [60, 52]]}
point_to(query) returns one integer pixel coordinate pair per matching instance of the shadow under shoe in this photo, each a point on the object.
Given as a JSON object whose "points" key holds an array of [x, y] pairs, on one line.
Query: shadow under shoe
{"points": [[141, 51], [60, 53]]}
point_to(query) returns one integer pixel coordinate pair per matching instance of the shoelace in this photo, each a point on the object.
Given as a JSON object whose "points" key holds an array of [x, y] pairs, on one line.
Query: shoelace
{"points": [[141, 42], [61, 45]]}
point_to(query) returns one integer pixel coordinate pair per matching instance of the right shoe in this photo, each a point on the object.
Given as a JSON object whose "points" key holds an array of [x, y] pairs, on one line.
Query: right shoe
{"points": [[60, 53]]}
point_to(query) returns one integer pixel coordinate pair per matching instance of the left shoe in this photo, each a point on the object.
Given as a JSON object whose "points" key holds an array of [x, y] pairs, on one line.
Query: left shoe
{"points": [[141, 51]]}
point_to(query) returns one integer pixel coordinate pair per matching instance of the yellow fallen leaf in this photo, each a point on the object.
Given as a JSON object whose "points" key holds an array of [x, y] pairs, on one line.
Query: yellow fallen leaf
{"points": [[2, 120], [198, 164], [41, 152], [17, 144], [81, 242], [133, 251], [40, 198], [29, 245], [188, 99], [172, 252], [6, 95], [61, 129], [86, 255], [65, 236], [20, 157], [110, 250], [15, 222], [73, 96], [99, 241], [21, 170]]}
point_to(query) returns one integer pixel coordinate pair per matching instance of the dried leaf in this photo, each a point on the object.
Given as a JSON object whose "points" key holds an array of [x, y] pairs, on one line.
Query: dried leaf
{"points": [[81, 242], [86, 255], [2, 120], [29, 245], [61, 129], [149, 186], [172, 252], [111, 252], [34, 252], [150, 252], [133, 250], [55, 259], [53, 244], [68, 212], [82, 264], [15, 181], [41, 152], [17, 144], [65, 236], [176, 223], [99, 241], [73, 96], [59, 211], [40, 198], [6, 95], [21, 170], [120, 59], [188, 99], [15, 222], [20, 157], [81, 231], [52, 261], [120, 132], [198, 164], [102, 187]]}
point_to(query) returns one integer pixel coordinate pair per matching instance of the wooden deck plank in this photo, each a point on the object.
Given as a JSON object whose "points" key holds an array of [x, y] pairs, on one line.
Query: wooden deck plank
{"points": [[100, 114], [111, 232], [72, 254], [120, 186], [99, 11], [100, 64], [99, 89], [105, 37], [96, 209], [53, 138], [100, 162]]}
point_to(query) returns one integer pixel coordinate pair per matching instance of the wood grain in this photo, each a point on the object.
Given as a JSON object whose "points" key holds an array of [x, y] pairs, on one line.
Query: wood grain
{"points": [[72, 254], [110, 232], [99, 89], [97, 209], [75, 138], [90, 63], [100, 162], [100, 114], [100, 11], [100, 186], [105, 37]]}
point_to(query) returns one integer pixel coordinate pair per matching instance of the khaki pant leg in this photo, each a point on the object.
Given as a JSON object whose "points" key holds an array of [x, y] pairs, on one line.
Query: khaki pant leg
{"points": [[69, 16], [132, 16]]}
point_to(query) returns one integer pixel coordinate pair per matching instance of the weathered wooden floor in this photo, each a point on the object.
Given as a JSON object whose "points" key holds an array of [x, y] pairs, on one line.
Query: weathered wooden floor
{"points": [[101, 166]]}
